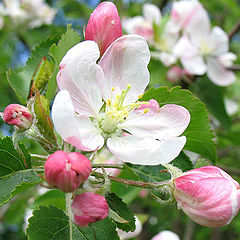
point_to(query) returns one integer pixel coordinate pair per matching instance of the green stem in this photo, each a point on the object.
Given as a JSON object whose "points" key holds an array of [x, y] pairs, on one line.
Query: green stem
{"points": [[39, 156], [148, 185], [69, 212], [99, 165]]}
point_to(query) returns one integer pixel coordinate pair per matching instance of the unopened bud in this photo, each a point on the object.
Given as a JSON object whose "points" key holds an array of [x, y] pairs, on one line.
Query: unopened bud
{"points": [[88, 208], [18, 116], [67, 170], [208, 195], [104, 26]]}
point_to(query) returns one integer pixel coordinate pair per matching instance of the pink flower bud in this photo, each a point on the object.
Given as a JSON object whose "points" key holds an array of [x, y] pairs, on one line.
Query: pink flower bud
{"points": [[67, 170], [18, 115], [174, 74], [104, 26], [208, 195], [88, 208]]}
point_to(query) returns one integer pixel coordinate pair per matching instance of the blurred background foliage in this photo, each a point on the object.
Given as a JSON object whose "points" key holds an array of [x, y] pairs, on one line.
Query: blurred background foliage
{"points": [[16, 44]]}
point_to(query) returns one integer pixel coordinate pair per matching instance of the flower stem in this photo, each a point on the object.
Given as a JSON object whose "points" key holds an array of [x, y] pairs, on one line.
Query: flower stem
{"points": [[69, 212], [148, 185]]}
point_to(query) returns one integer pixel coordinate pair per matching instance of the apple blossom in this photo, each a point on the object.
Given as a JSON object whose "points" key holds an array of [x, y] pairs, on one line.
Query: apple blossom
{"points": [[166, 235], [202, 50], [98, 103], [208, 195], [28, 12], [18, 116], [67, 171], [104, 26], [88, 208], [144, 26]]}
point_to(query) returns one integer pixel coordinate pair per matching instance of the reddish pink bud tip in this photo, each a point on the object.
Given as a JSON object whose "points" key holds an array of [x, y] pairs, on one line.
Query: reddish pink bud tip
{"points": [[104, 26], [18, 115], [208, 195], [89, 208], [67, 170]]}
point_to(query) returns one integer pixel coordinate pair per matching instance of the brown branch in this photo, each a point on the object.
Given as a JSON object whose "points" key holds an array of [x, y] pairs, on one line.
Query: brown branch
{"points": [[234, 30], [234, 68]]}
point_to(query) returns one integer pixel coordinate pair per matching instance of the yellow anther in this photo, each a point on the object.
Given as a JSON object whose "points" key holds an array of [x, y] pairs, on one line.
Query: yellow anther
{"points": [[146, 110], [108, 102], [113, 89], [140, 96], [129, 86]]}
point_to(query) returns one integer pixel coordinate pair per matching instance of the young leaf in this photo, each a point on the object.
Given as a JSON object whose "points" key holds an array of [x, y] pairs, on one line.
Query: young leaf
{"points": [[20, 80], [12, 184], [57, 52], [10, 159], [212, 96], [52, 223], [43, 123], [199, 134], [117, 205]]}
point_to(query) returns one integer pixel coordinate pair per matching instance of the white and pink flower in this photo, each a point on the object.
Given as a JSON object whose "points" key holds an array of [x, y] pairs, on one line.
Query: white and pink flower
{"points": [[202, 49], [98, 104], [208, 195]]}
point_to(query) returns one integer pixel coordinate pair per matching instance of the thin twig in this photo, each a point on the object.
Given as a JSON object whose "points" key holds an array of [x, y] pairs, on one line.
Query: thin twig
{"points": [[235, 29], [148, 185], [39, 156]]}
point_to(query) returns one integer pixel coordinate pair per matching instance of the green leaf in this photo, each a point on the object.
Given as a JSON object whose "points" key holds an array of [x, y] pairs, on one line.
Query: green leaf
{"points": [[52, 223], [212, 96], [10, 159], [15, 183], [183, 162], [44, 124], [199, 134], [117, 205], [53, 197], [26, 156], [57, 52], [20, 80]]}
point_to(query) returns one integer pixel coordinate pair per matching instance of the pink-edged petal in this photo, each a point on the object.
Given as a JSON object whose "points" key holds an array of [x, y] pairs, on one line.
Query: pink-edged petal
{"points": [[170, 121], [218, 74], [151, 13], [219, 41], [146, 151], [76, 130], [189, 56], [139, 25], [125, 62], [104, 26], [81, 76]]}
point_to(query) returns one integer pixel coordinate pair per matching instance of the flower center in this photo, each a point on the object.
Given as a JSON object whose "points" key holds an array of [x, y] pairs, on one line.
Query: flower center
{"points": [[116, 113], [205, 49]]}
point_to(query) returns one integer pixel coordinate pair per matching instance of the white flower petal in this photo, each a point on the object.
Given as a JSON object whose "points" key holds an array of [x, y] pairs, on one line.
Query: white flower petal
{"points": [[189, 56], [146, 151], [151, 13], [166, 58], [170, 121], [218, 74], [219, 41], [125, 62], [82, 77], [78, 131]]}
